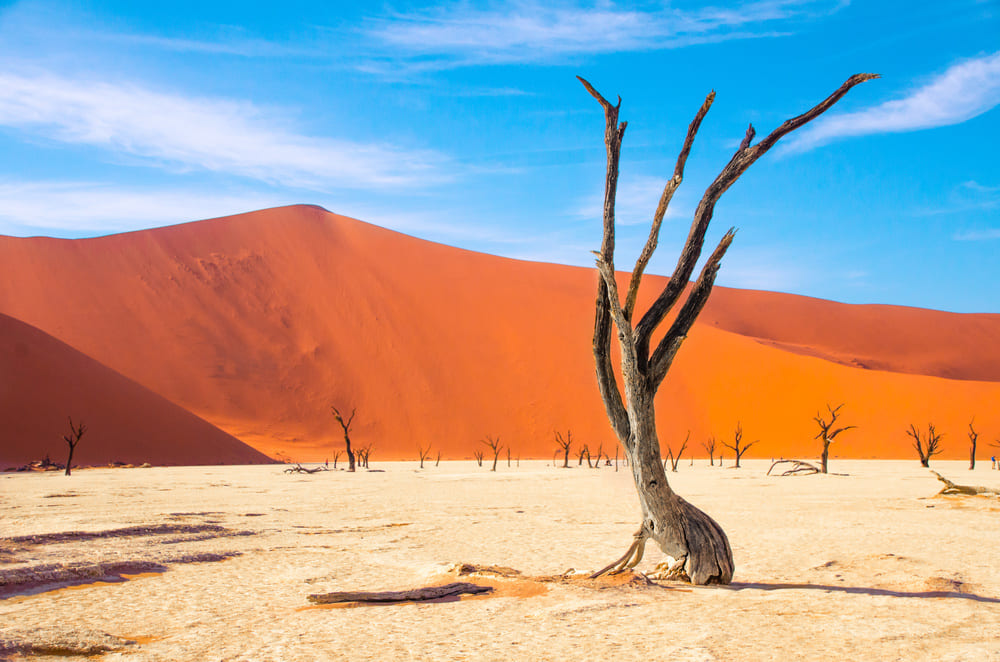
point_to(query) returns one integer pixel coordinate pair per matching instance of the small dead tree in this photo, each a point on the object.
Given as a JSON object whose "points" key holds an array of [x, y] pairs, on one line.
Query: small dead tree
{"points": [[438, 460], [336, 456], [424, 453], [564, 443], [827, 433], [346, 425], [676, 459], [683, 532], [927, 446], [366, 453], [709, 447], [508, 457], [584, 452], [600, 452], [738, 447], [973, 438], [72, 439], [494, 445], [479, 456]]}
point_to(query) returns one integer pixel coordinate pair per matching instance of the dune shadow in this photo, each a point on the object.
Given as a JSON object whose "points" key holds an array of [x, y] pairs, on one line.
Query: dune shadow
{"points": [[861, 590]]}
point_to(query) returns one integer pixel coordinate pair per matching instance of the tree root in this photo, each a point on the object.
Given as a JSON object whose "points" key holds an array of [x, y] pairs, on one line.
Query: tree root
{"points": [[968, 490], [631, 557], [671, 571]]}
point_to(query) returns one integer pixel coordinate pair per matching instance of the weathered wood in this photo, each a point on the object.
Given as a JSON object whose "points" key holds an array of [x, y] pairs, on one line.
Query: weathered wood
{"points": [[738, 447], [346, 425], [688, 535], [411, 595], [973, 438], [927, 446], [799, 467], [968, 490], [827, 435], [72, 439]]}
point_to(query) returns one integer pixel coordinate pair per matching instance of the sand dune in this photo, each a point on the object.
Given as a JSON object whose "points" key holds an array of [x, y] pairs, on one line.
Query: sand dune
{"points": [[45, 380], [259, 322]]}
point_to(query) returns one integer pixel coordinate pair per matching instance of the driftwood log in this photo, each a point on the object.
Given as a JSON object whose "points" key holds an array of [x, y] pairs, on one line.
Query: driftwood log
{"points": [[299, 469], [799, 468], [968, 490], [412, 595]]}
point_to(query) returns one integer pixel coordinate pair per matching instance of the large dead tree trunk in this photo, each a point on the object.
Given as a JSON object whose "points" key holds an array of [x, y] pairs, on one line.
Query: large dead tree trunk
{"points": [[973, 438], [696, 542]]}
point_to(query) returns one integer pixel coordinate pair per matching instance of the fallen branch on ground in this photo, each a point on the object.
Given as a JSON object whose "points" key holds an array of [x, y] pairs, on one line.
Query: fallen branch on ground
{"points": [[299, 469], [968, 490], [411, 595], [799, 468]]}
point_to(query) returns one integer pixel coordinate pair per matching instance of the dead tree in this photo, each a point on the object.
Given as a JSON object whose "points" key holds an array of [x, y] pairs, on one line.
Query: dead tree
{"points": [[697, 543], [798, 468], [336, 456], [479, 456], [709, 447], [927, 446], [508, 457], [973, 438], [424, 454], [564, 444], [438, 460], [72, 439], [827, 433], [584, 451], [676, 459], [364, 453], [346, 425], [494, 445], [737, 446]]}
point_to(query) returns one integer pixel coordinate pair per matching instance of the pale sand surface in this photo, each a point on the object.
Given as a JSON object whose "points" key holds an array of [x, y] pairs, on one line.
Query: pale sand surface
{"points": [[867, 566]]}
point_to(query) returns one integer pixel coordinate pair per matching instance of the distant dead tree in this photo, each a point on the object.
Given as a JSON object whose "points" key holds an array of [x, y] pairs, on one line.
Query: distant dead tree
{"points": [[584, 451], [676, 459], [709, 447], [336, 456], [600, 452], [494, 445], [424, 454], [346, 425], [927, 446], [508, 457], [564, 443], [479, 456], [72, 439], [973, 438], [737, 446], [438, 460], [697, 543], [827, 433]]}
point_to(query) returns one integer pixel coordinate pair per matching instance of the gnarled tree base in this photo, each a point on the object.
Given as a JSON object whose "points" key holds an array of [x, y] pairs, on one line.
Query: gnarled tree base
{"points": [[968, 490], [697, 544]]}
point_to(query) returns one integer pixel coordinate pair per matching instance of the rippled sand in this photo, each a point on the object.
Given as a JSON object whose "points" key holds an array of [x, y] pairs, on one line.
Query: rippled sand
{"points": [[866, 566]]}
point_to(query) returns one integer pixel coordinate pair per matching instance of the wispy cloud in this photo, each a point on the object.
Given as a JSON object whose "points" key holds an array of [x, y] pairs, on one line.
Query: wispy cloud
{"points": [[529, 31], [221, 135], [74, 208], [965, 90]]}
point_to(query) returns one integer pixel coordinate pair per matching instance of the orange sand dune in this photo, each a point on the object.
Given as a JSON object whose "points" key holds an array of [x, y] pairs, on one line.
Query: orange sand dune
{"points": [[45, 380], [894, 338], [259, 322]]}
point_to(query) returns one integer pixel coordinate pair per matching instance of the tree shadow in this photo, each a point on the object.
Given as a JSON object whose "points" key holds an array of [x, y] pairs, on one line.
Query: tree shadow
{"points": [[861, 590]]}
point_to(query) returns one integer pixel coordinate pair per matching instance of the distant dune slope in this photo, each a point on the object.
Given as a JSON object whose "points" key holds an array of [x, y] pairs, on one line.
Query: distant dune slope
{"points": [[43, 381], [893, 338], [260, 322]]}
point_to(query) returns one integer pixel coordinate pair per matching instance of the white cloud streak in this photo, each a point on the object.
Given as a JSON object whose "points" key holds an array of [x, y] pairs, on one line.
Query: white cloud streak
{"points": [[635, 202], [529, 31], [89, 208], [220, 135], [965, 90]]}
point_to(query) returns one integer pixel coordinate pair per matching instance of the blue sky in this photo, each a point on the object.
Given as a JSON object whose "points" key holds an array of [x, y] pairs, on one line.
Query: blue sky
{"points": [[462, 122]]}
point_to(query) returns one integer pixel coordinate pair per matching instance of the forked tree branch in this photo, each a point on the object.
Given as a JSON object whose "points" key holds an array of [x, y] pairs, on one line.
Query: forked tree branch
{"points": [[661, 209], [745, 156]]}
